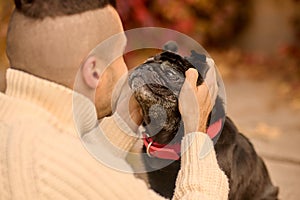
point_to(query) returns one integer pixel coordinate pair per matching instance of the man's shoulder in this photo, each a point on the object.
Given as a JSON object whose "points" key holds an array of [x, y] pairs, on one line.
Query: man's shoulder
{"points": [[16, 107], [16, 112]]}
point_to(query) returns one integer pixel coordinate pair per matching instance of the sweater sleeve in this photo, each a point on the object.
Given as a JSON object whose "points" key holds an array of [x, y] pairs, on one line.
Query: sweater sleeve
{"points": [[200, 176], [118, 132]]}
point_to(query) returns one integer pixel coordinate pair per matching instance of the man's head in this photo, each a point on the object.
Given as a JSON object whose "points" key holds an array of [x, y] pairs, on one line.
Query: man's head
{"points": [[40, 9], [52, 39]]}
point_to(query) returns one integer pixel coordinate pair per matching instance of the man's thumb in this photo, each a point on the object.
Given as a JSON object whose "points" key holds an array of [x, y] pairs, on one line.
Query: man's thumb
{"points": [[192, 76]]}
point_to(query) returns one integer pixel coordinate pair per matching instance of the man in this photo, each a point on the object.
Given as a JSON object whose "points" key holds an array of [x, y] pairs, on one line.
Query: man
{"points": [[41, 156]]}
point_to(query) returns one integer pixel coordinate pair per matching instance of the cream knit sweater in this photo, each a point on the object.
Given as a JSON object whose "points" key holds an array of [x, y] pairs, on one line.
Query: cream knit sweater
{"points": [[42, 157]]}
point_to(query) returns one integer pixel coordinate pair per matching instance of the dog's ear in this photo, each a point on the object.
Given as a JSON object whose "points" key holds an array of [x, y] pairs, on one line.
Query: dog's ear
{"points": [[171, 46], [90, 72], [199, 62]]}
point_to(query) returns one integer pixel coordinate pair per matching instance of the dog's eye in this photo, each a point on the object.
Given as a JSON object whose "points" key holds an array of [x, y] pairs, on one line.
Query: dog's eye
{"points": [[171, 75]]}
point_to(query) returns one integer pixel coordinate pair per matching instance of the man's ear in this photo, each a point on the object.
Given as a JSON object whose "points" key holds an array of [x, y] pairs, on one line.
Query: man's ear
{"points": [[90, 72]]}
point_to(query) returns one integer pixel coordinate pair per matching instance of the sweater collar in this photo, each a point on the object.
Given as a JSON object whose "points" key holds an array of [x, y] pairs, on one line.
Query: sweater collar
{"points": [[62, 103]]}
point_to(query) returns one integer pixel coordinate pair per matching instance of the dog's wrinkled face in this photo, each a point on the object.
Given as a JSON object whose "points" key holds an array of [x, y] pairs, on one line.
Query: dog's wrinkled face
{"points": [[156, 85]]}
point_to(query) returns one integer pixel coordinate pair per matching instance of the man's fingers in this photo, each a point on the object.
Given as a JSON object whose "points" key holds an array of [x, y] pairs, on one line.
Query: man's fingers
{"points": [[188, 104], [191, 77], [187, 98], [211, 80], [189, 87]]}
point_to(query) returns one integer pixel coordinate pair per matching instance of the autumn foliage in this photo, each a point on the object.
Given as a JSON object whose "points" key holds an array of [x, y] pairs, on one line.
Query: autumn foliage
{"points": [[211, 22]]}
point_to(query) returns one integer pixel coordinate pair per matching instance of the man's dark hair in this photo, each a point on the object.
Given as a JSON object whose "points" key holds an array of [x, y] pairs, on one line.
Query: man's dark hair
{"points": [[40, 9]]}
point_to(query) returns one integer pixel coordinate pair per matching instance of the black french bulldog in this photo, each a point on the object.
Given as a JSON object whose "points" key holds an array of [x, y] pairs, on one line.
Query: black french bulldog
{"points": [[156, 85]]}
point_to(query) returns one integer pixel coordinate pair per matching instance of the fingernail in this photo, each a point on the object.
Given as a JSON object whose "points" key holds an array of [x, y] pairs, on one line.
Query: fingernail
{"points": [[193, 73]]}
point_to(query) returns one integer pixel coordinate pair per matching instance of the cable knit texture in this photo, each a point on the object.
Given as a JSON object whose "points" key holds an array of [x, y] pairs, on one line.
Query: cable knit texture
{"points": [[42, 156]]}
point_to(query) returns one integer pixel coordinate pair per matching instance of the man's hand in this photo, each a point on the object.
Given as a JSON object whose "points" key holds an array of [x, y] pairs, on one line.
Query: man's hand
{"points": [[195, 103]]}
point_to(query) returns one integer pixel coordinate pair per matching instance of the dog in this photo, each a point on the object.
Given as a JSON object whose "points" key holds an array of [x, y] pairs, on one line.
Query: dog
{"points": [[156, 85]]}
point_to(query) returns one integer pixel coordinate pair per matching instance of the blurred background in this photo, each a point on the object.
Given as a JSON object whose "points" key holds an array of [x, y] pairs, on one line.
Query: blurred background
{"points": [[256, 46]]}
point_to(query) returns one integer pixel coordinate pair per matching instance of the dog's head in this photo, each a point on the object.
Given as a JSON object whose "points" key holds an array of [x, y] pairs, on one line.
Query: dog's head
{"points": [[156, 85]]}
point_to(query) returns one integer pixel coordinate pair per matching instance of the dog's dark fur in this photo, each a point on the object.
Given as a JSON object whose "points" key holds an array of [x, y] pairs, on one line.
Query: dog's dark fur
{"points": [[247, 173]]}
